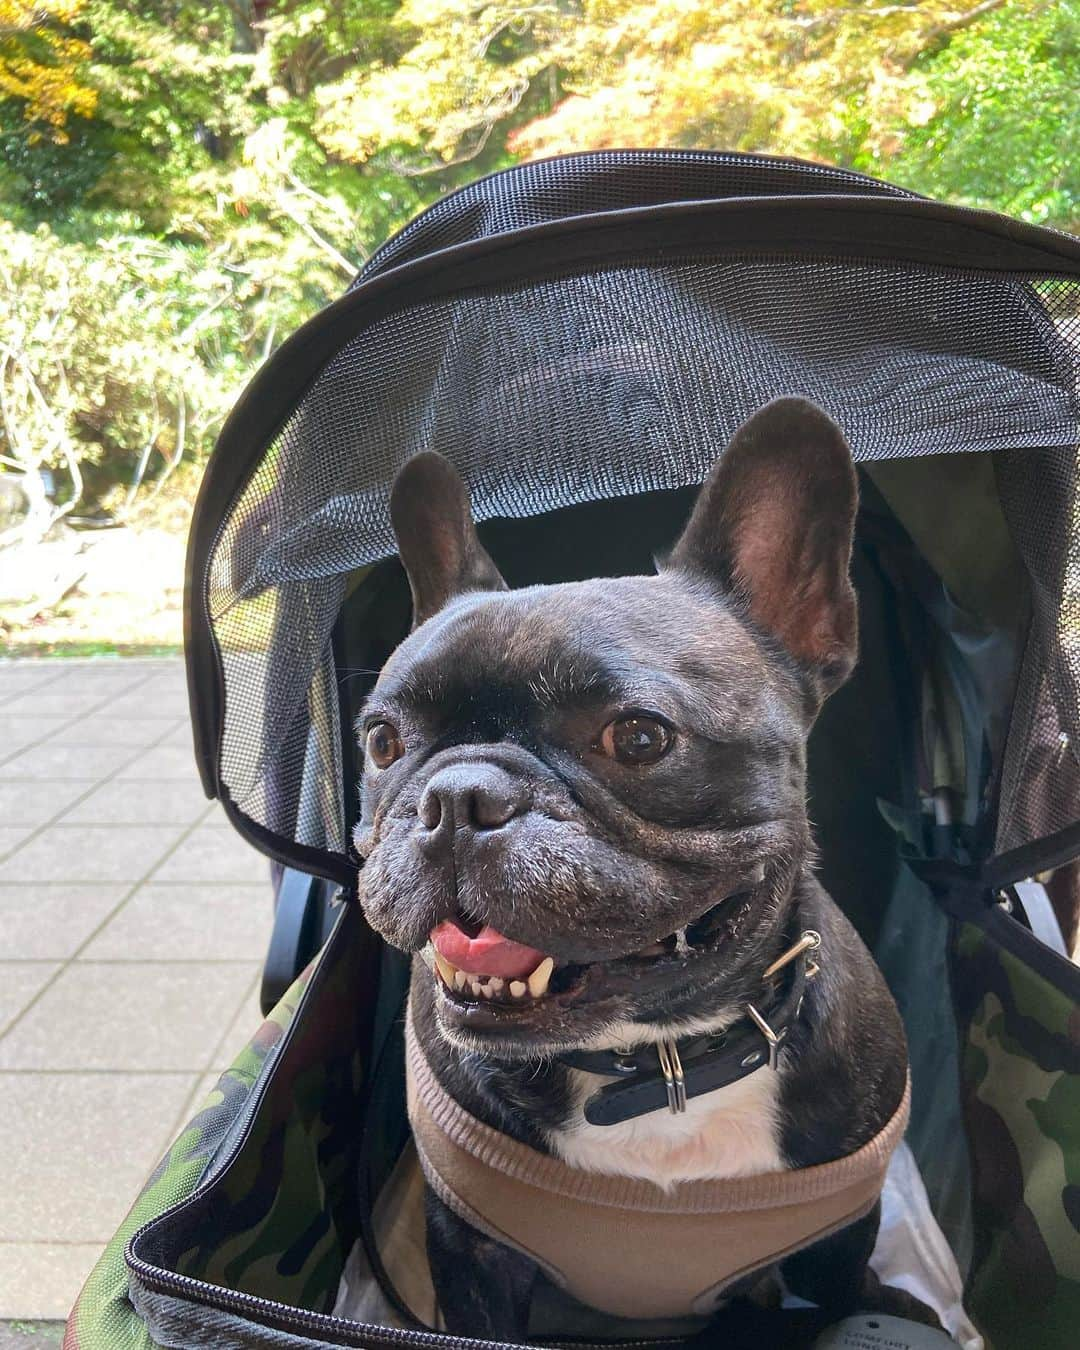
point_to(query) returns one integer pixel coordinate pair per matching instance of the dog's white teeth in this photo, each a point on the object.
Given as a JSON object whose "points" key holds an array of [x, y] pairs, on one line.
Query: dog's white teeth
{"points": [[448, 972], [682, 946], [538, 980], [492, 986]]}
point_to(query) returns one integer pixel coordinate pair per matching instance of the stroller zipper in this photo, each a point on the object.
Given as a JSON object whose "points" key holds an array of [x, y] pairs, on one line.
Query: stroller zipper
{"points": [[361, 1334]]}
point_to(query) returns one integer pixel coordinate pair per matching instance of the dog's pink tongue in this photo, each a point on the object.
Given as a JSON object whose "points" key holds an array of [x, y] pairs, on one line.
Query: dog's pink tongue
{"points": [[489, 953]]}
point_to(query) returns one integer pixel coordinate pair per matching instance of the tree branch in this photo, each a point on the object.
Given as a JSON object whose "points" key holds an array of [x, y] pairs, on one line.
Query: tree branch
{"points": [[144, 458], [941, 32], [350, 269], [172, 463], [518, 21], [951, 26], [41, 517], [507, 104], [196, 323], [407, 171]]}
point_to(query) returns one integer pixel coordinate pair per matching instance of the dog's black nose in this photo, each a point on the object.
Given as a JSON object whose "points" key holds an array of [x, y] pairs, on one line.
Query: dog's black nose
{"points": [[471, 797]]}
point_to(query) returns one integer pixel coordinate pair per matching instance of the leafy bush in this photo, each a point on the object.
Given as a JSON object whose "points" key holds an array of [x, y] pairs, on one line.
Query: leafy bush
{"points": [[119, 356]]}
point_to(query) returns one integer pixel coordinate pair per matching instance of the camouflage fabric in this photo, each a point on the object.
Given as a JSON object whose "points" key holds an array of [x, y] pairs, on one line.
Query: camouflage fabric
{"points": [[283, 1215], [103, 1318], [1020, 1073]]}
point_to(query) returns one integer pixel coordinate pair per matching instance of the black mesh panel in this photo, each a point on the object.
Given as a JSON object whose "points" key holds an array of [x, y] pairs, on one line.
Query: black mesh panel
{"points": [[1040, 789], [618, 380]]}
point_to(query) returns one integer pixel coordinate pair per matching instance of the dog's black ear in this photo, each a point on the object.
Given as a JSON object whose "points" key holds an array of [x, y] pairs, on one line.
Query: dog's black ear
{"points": [[436, 537], [774, 524]]}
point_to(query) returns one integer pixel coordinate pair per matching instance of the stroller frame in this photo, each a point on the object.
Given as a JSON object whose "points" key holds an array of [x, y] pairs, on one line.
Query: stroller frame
{"points": [[619, 297]]}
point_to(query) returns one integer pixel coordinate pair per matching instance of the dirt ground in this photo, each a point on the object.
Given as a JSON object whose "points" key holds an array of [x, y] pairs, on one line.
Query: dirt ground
{"points": [[122, 593]]}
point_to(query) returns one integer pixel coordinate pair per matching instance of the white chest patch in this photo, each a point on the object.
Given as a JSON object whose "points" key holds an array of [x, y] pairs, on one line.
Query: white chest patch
{"points": [[732, 1132]]}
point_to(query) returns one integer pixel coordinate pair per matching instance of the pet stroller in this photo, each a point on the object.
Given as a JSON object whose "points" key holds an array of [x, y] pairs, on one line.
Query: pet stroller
{"points": [[581, 336]]}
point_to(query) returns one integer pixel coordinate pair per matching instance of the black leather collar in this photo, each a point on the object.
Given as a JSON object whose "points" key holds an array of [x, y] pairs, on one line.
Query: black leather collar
{"points": [[652, 1076]]}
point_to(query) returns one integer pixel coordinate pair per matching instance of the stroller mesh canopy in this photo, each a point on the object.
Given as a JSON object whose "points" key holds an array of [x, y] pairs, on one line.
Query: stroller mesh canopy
{"points": [[550, 189], [554, 374]]}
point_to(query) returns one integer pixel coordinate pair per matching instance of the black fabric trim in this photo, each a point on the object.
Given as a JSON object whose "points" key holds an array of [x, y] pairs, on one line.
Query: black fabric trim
{"points": [[1022, 943], [967, 898], [837, 225], [1043, 855], [504, 184], [317, 862]]}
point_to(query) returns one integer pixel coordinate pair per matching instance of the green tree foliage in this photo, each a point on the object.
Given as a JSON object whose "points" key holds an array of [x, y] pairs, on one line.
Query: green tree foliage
{"points": [[1003, 123], [185, 182]]}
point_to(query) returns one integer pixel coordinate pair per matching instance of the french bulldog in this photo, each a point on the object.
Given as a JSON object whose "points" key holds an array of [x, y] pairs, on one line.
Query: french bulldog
{"points": [[584, 813]]}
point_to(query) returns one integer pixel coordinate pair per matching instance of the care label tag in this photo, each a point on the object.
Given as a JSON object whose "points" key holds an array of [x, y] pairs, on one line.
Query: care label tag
{"points": [[874, 1331]]}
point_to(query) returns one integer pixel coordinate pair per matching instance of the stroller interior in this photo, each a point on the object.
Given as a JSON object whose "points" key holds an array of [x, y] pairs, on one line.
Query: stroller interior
{"points": [[581, 338]]}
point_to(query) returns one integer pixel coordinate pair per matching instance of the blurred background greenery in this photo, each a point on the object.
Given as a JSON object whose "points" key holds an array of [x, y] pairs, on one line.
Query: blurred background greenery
{"points": [[182, 184]]}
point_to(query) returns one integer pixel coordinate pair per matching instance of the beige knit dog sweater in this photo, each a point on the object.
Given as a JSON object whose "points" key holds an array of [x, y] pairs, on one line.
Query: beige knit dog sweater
{"points": [[623, 1245]]}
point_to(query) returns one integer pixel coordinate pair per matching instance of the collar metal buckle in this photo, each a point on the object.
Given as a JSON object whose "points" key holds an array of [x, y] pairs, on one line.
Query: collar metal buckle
{"points": [[672, 1069], [810, 941], [773, 1040]]}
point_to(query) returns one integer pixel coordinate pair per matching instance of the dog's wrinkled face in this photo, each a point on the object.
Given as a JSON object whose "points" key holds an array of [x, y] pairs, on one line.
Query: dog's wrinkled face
{"points": [[589, 798]]}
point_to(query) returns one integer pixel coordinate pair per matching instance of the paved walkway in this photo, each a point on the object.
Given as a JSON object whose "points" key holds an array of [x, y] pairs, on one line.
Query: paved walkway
{"points": [[133, 921]]}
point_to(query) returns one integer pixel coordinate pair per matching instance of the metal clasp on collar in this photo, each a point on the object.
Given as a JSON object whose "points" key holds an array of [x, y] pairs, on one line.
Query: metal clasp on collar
{"points": [[809, 942], [771, 1036], [672, 1069]]}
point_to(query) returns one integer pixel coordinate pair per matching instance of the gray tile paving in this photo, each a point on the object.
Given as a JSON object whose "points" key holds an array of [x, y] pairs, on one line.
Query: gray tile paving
{"points": [[101, 679], [24, 1335], [46, 703], [248, 1017], [16, 733], [86, 1017], [33, 802], [170, 801], [180, 735], [20, 981], [11, 836], [212, 855], [47, 1139], [19, 678], [90, 853], [133, 923], [67, 759], [97, 729], [160, 761], [51, 921], [186, 923], [143, 702]]}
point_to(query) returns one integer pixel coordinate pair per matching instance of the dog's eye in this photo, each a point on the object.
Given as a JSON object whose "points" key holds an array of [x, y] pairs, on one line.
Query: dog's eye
{"points": [[383, 744], [636, 740]]}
